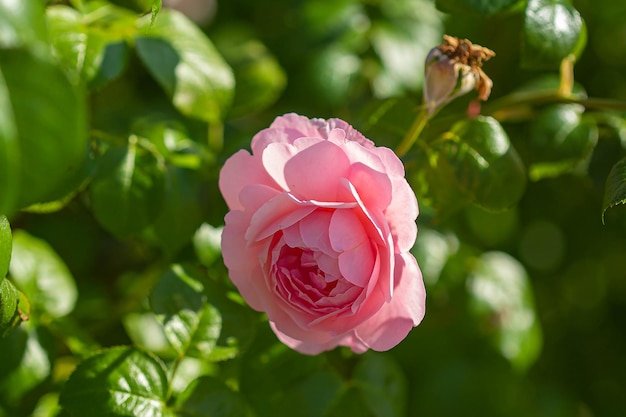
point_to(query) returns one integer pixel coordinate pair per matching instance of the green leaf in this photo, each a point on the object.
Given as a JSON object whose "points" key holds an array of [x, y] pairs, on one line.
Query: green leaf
{"points": [[553, 29], [22, 23], [191, 324], [183, 208], [6, 241], [208, 396], [127, 192], [42, 276], [9, 153], [27, 354], [383, 385], [87, 48], [350, 402], [478, 156], [615, 188], [207, 242], [560, 140], [156, 8], [187, 65], [501, 296], [50, 115], [260, 79], [117, 382], [9, 315], [482, 7]]}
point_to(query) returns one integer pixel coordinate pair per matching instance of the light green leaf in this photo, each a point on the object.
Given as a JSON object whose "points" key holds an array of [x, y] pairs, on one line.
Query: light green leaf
{"points": [[191, 324], [27, 354], [553, 29], [156, 8], [42, 276], [615, 188], [187, 65], [501, 295], [383, 385], [482, 7], [207, 242], [117, 382], [9, 298], [9, 153], [22, 23], [477, 155], [91, 50], [208, 396], [50, 116], [127, 191]]}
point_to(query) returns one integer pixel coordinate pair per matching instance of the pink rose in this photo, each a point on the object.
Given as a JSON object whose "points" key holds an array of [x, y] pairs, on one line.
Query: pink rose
{"points": [[318, 236]]}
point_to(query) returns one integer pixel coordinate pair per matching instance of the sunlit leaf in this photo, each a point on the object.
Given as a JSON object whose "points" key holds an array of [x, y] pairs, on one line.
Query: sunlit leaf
{"points": [[207, 243], [127, 192], [93, 53], [553, 29], [187, 65], [615, 188], [191, 324], [483, 7], [9, 298], [208, 396], [22, 23], [42, 276], [6, 240], [479, 158], [117, 382], [501, 295]]}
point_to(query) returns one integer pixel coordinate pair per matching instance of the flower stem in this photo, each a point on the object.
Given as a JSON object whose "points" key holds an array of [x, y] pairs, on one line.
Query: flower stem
{"points": [[413, 133]]}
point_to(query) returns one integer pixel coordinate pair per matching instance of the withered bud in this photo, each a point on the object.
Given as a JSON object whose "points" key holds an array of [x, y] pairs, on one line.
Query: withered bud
{"points": [[453, 69]]}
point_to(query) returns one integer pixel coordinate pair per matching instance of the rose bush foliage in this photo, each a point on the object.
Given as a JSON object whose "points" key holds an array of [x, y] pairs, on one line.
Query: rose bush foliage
{"points": [[318, 236]]}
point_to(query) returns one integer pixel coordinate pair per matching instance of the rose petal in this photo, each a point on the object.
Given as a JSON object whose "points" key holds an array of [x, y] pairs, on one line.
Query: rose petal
{"points": [[373, 187], [390, 325], [278, 213], [315, 172], [401, 215], [240, 170]]}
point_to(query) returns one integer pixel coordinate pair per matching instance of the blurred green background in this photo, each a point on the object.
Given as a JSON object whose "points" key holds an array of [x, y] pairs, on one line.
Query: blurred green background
{"points": [[526, 308]]}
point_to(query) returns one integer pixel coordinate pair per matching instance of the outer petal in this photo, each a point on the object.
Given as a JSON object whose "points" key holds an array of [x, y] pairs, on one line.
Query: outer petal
{"points": [[406, 309], [240, 170], [284, 129], [401, 215]]}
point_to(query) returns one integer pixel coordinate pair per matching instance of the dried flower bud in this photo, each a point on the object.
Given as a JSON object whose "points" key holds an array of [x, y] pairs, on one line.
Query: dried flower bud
{"points": [[453, 69]]}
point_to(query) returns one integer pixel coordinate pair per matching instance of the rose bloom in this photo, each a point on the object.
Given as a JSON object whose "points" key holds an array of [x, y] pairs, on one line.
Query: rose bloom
{"points": [[318, 235]]}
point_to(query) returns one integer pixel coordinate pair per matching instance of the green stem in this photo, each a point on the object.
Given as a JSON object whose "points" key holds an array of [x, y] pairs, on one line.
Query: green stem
{"points": [[216, 137], [413, 133]]}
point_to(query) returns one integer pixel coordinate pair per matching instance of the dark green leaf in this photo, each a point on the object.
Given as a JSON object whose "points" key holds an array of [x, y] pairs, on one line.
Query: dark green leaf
{"points": [[184, 208], [208, 396], [478, 156], [5, 246], [187, 65], [88, 50], [501, 296], [127, 192], [27, 354], [560, 140], [383, 385], [553, 29], [117, 382], [22, 23], [483, 7], [191, 325], [40, 274], [9, 153], [50, 115], [350, 402], [615, 188]]}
